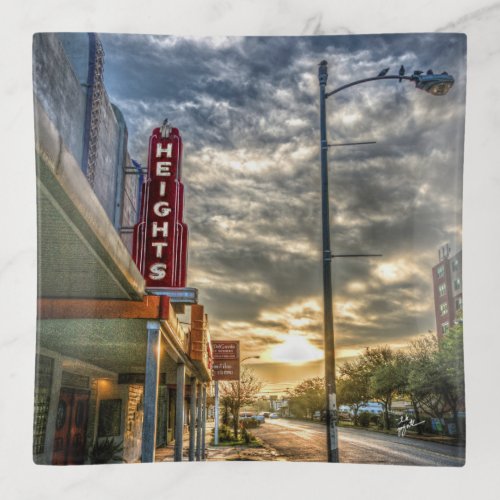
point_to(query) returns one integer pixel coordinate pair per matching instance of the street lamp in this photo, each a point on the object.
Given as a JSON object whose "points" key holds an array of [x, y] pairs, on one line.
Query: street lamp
{"points": [[435, 84], [249, 357]]}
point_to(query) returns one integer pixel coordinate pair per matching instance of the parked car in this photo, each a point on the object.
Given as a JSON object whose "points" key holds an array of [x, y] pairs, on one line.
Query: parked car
{"points": [[344, 413], [274, 415], [260, 418], [371, 407]]}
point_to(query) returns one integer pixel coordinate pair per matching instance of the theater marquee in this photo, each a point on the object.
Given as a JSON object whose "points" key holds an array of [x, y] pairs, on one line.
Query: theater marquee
{"points": [[160, 237]]}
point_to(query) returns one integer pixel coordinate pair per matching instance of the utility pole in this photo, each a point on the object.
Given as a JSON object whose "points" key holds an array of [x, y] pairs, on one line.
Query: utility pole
{"points": [[331, 396]]}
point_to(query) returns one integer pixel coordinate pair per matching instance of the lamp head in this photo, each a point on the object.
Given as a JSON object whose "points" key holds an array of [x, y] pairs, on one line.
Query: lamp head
{"points": [[323, 72], [434, 84]]}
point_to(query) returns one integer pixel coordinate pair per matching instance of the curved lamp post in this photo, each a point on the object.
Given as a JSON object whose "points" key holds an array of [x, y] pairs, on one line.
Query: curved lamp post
{"points": [[249, 357], [435, 84]]}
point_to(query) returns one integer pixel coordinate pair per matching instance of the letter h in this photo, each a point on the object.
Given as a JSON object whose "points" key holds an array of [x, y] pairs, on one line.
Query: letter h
{"points": [[160, 150], [160, 229]]}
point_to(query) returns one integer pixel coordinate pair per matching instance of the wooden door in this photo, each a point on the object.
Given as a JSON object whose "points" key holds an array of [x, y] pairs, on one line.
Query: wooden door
{"points": [[78, 428], [71, 427]]}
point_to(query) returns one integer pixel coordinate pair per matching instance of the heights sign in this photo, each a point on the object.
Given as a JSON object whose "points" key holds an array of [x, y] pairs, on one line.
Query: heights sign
{"points": [[160, 236]]}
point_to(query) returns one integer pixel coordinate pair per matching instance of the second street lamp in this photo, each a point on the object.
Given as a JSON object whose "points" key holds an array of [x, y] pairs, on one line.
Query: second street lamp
{"points": [[435, 84]]}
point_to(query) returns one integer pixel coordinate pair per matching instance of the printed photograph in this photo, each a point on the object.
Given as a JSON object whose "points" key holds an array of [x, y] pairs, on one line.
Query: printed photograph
{"points": [[249, 249]]}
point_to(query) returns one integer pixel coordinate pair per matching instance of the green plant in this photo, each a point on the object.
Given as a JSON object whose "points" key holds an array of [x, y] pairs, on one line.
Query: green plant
{"points": [[247, 436], [225, 433], [104, 452], [364, 419]]}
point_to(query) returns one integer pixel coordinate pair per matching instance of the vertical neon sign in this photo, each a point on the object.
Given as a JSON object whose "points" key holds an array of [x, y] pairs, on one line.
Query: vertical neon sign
{"points": [[160, 237]]}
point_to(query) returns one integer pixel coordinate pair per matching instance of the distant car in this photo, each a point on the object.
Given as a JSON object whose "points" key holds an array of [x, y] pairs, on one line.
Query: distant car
{"points": [[245, 415], [266, 414], [260, 418], [344, 415], [273, 415], [371, 407], [319, 415]]}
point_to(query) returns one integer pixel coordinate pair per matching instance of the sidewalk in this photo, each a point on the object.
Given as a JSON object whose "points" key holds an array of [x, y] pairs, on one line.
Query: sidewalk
{"points": [[238, 453], [243, 453], [220, 453]]}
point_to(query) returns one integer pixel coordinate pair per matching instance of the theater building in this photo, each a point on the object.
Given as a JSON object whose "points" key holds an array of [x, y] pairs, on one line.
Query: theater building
{"points": [[123, 349]]}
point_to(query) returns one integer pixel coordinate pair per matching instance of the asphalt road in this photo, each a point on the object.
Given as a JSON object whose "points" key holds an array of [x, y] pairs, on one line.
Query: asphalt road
{"points": [[299, 441]]}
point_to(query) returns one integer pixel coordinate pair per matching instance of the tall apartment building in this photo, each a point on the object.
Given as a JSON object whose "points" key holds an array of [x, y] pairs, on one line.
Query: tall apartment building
{"points": [[447, 281]]}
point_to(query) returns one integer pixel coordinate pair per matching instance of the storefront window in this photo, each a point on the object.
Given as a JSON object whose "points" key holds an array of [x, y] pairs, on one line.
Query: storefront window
{"points": [[44, 370]]}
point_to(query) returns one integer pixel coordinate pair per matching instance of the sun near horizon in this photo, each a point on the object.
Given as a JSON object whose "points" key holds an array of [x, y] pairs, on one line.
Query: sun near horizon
{"points": [[295, 349]]}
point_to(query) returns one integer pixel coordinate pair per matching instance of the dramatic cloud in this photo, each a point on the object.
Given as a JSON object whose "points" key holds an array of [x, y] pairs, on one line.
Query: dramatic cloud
{"points": [[248, 111]]}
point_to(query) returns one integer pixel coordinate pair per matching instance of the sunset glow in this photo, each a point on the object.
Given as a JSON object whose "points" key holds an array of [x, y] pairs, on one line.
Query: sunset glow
{"points": [[295, 349]]}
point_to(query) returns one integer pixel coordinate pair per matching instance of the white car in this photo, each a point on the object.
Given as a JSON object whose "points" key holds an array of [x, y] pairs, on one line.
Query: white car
{"points": [[274, 415]]}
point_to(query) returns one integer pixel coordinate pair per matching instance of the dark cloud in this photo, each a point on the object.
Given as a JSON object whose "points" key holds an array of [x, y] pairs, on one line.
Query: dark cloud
{"points": [[248, 111]]}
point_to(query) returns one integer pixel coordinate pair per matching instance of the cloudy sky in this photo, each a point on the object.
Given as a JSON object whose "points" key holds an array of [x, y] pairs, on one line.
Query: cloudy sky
{"points": [[248, 112]]}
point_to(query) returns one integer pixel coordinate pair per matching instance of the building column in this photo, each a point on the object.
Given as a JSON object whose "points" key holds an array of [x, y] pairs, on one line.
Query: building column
{"points": [[204, 421], [179, 411], [50, 428], [199, 422], [216, 414], [151, 392], [167, 411], [192, 420]]}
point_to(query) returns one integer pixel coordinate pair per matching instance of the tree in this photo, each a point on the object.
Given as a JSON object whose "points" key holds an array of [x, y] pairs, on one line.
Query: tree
{"points": [[386, 380], [353, 386], [436, 373], [450, 358], [382, 366], [238, 393], [418, 368], [262, 404], [308, 397], [225, 403]]}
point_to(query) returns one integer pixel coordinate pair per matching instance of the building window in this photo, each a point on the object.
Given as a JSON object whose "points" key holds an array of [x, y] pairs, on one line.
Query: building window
{"points": [[110, 418], [454, 265], [444, 309], [444, 328], [442, 289], [457, 284], [44, 371], [458, 303], [440, 271]]}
